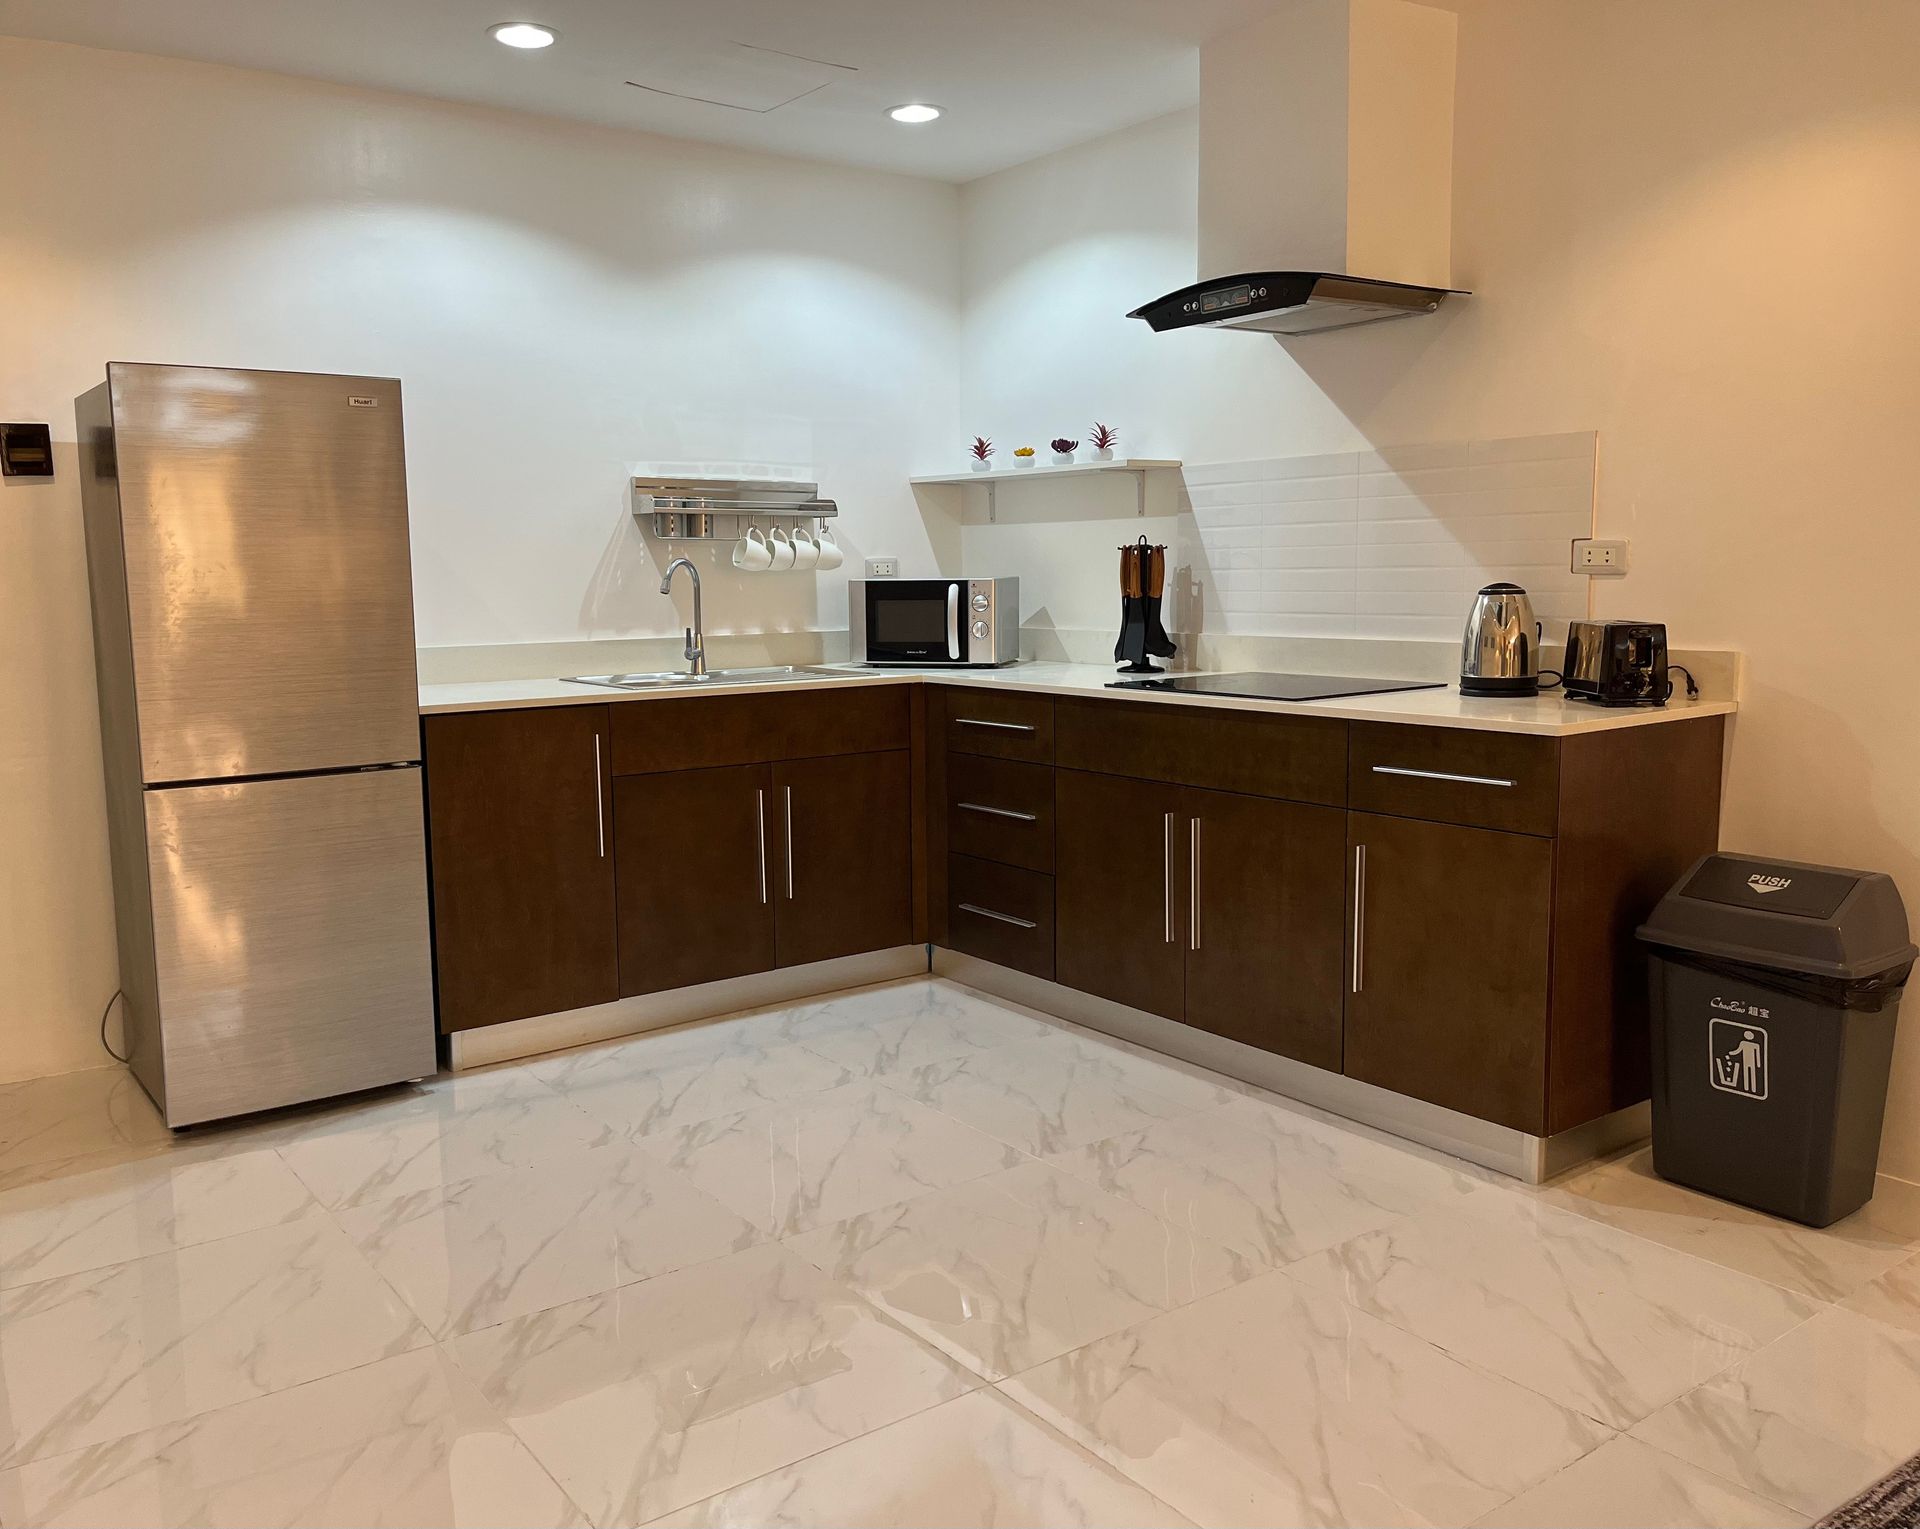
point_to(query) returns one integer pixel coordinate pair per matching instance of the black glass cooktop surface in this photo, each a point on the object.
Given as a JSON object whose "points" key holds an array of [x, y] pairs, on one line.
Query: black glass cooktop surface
{"points": [[1274, 687]]}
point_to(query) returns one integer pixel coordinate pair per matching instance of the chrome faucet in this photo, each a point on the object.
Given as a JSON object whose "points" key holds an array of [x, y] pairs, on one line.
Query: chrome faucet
{"points": [[696, 654]]}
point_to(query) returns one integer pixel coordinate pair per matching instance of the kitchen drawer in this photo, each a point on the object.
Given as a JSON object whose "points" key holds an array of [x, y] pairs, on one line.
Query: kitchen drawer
{"points": [[1000, 809], [1302, 759], [1001, 914], [1456, 775], [705, 731], [1002, 724]]}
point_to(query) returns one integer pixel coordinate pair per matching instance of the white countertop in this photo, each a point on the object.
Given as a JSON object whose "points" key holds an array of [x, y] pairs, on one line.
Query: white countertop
{"points": [[1549, 715]]}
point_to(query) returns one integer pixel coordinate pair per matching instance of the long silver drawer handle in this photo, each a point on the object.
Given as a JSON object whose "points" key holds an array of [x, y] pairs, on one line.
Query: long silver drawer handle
{"points": [[1005, 727], [1004, 918], [599, 804], [999, 812], [1359, 916], [789, 790], [760, 818], [1464, 780], [1166, 877], [1193, 884]]}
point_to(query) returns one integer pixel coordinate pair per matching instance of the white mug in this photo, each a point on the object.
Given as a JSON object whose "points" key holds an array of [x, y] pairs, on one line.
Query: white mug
{"points": [[751, 552], [830, 554], [806, 551], [779, 544]]}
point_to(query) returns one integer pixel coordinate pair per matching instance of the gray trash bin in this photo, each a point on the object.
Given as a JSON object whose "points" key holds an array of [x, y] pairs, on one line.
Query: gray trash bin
{"points": [[1775, 988]]}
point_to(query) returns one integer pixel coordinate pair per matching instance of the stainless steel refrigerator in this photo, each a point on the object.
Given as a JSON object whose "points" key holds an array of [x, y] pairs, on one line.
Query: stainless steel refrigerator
{"points": [[253, 635]]}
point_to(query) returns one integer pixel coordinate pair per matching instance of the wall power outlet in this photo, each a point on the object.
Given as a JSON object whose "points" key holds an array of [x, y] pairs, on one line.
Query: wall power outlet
{"points": [[1598, 559], [883, 567]]}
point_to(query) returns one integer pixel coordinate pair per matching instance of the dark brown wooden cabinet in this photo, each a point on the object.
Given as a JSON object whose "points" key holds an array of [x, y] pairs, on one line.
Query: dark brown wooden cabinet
{"points": [[1120, 890], [845, 856], [694, 854], [1264, 922], [520, 837], [1448, 965]]}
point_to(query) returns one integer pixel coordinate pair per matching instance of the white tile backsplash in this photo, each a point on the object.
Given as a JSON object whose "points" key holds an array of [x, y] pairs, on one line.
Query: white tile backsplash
{"points": [[1391, 542]]}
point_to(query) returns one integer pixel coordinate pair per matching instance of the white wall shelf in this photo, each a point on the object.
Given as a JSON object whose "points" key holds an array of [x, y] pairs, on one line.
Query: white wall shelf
{"points": [[1139, 467]]}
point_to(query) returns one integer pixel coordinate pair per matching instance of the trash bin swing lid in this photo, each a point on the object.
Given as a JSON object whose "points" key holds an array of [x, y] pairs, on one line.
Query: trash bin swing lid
{"points": [[1820, 920]]}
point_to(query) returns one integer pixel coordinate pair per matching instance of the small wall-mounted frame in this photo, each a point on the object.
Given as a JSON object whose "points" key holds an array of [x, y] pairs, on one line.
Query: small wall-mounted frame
{"points": [[26, 451]]}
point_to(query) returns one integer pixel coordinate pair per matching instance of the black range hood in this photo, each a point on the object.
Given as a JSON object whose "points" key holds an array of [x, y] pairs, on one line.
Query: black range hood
{"points": [[1290, 302]]}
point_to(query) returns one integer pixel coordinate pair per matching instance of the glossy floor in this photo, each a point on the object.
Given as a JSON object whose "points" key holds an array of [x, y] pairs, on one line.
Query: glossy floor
{"points": [[908, 1255]]}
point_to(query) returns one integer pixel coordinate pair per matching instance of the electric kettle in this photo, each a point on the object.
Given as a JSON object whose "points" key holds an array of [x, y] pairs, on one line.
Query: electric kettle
{"points": [[1500, 653]]}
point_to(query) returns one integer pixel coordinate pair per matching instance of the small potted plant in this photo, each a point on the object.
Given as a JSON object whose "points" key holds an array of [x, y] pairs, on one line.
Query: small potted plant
{"points": [[982, 453], [1101, 440], [1063, 450], [1023, 456]]}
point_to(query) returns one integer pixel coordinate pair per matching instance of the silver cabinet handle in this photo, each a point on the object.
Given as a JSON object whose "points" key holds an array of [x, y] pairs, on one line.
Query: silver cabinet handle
{"points": [[1462, 780], [1003, 918], [760, 841], [789, 791], [1166, 877], [599, 806], [1193, 884], [953, 621], [999, 812], [1359, 917], [1005, 727]]}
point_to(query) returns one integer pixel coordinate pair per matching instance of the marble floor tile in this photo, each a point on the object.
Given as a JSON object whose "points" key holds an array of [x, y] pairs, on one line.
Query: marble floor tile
{"points": [[659, 1394], [1005, 1271], [95, 1216], [426, 1138], [1270, 1403], [636, 1097], [975, 1463], [1827, 1263], [1061, 1091], [1271, 1184], [90, 1357], [1625, 1484], [1579, 1312], [478, 1253], [790, 1167], [44, 1120], [1893, 1298], [884, 1048], [402, 1441], [1810, 1419]]}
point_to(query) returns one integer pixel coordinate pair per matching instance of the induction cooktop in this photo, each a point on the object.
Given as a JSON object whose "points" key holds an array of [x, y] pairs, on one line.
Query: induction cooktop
{"points": [[1275, 687]]}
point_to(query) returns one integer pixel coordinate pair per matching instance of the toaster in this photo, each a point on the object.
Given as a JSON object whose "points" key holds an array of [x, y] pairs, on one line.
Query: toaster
{"points": [[1617, 663]]}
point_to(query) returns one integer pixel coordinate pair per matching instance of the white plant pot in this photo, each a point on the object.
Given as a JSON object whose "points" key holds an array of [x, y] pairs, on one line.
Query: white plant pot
{"points": [[1063, 459], [983, 464], [1024, 461], [1103, 454]]}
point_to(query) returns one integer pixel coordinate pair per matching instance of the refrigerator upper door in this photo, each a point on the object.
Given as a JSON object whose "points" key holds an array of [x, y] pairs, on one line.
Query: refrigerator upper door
{"points": [[269, 584], [290, 931]]}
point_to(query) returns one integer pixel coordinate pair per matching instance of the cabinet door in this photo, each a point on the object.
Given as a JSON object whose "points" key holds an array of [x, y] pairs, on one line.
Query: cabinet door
{"points": [[1120, 890], [1447, 989], [1266, 908], [523, 904], [696, 876], [844, 856]]}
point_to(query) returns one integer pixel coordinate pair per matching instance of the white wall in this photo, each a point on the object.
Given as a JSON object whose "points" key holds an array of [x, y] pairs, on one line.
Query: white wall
{"points": [[1689, 227], [564, 305]]}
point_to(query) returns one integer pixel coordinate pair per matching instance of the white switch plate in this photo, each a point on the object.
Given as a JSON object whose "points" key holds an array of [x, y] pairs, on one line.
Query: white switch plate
{"points": [[1600, 560], [883, 568]]}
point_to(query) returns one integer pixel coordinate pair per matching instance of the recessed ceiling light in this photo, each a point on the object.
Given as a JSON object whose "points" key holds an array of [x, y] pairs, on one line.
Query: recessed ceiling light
{"points": [[523, 34], [914, 111]]}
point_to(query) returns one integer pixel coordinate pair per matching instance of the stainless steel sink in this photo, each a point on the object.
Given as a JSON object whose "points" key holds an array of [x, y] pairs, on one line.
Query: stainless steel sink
{"points": [[679, 679]]}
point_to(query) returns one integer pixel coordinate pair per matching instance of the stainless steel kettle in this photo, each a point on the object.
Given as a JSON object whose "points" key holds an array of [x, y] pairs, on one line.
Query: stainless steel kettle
{"points": [[1500, 653]]}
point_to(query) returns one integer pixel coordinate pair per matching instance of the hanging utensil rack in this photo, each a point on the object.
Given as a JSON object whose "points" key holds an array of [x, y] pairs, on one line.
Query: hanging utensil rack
{"points": [[721, 509]]}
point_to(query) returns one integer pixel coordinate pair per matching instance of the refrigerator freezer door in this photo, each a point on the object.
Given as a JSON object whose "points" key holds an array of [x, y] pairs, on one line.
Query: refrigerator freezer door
{"points": [[290, 925], [264, 516]]}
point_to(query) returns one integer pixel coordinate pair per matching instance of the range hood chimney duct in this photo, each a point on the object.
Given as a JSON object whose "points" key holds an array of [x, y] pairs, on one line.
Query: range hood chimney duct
{"points": [[1326, 170]]}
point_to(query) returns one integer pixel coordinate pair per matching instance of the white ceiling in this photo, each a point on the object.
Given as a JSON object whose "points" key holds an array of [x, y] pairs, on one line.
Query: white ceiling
{"points": [[1018, 77]]}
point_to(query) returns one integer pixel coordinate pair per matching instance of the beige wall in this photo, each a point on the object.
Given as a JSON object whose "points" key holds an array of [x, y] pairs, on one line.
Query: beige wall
{"points": [[1689, 226], [565, 306]]}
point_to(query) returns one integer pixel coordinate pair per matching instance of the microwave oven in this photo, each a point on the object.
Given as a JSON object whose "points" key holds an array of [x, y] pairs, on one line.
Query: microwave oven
{"points": [[944, 623]]}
